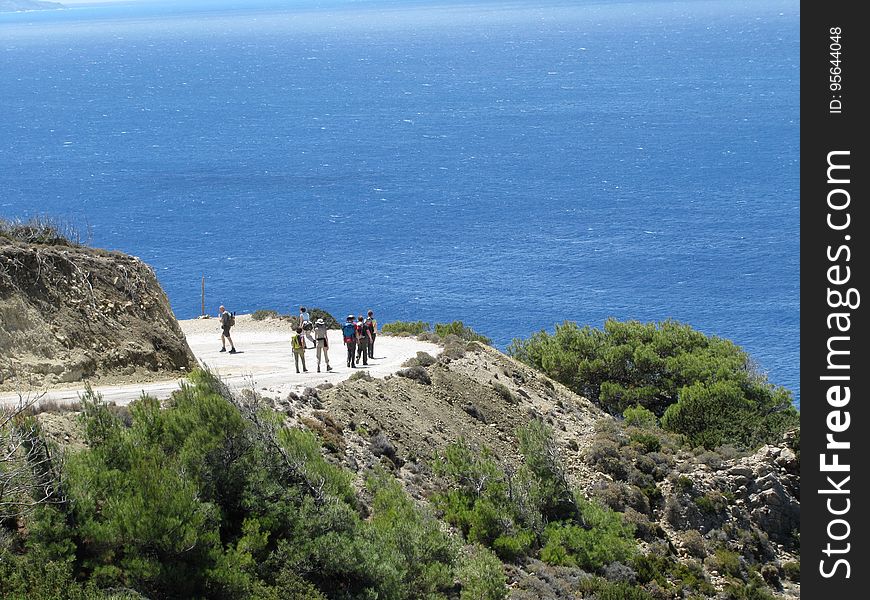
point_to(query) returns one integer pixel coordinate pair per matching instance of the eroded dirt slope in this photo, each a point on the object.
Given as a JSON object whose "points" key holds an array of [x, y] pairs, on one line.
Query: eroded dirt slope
{"points": [[71, 313]]}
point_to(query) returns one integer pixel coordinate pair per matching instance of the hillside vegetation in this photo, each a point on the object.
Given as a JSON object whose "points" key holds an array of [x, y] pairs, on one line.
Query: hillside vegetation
{"points": [[638, 462], [704, 388], [470, 477]]}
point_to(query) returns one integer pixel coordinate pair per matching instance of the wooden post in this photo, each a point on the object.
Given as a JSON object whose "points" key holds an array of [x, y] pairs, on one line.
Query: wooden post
{"points": [[203, 296]]}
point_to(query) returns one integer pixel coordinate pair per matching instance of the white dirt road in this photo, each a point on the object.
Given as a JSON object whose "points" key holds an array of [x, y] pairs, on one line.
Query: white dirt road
{"points": [[264, 362]]}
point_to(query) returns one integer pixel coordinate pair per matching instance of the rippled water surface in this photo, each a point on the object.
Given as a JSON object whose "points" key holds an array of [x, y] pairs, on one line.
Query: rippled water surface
{"points": [[512, 165]]}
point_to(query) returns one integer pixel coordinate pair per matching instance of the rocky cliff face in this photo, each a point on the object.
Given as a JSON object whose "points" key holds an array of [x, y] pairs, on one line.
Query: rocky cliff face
{"points": [[69, 313]]}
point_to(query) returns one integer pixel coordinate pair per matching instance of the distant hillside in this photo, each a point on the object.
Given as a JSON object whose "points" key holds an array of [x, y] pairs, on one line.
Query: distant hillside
{"points": [[22, 5]]}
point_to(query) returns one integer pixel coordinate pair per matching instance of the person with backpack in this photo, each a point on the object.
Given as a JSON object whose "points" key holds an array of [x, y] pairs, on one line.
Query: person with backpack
{"points": [[306, 324], [373, 332], [322, 343], [227, 319], [298, 344], [349, 332], [362, 341]]}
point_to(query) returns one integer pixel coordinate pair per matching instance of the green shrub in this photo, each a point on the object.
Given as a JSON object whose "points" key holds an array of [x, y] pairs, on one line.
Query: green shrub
{"points": [[360, 375], [481, 576], [638, 416], [792, 569], [687, 578], [505, 393], [601, 589], [702, 387], [263, 314], [462, 331], [619, 496], [555, 499], [328, 320], [409, 327], [693, 543], [22, 578], [712, 502], [737, 590], [454, 348], [601, 539], [212, 497], [725, 562], [474, 347], [648, 442], [510, 547], [770, 573], [422, 555], [644, 529], [423, 359], [477, 500], [512, 510], [683, 484]]}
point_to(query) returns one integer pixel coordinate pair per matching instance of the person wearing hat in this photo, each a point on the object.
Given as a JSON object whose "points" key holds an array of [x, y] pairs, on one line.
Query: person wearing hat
{"points": [[349, 332], [305, 323], [321, 342]]}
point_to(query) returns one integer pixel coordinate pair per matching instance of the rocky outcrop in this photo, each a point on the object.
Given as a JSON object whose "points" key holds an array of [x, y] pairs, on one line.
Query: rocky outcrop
{"points": [[70, 313], [767, 486]]}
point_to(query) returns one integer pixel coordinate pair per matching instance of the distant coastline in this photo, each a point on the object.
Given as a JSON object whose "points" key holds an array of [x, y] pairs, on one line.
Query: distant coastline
{"points": [[28, 5]]}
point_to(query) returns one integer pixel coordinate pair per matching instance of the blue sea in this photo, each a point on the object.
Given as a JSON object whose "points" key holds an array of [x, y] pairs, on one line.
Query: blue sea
{"points": [[510, 164]]}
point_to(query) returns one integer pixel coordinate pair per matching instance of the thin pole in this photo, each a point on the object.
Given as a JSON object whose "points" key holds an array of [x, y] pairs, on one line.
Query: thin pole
{"points": [[203, 296]]}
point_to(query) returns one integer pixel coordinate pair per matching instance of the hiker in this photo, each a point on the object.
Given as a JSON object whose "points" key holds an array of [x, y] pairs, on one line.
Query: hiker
{"points": [[349, 332], [362, 341], [306, 324], [298, 344], [228, 319], [373, 332], [322, 343]]}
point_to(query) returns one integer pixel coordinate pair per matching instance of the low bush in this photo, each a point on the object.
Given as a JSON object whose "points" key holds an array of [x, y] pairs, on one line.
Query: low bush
{"points": [[481, 576], [644, 529], [462, 331], [703, 388], [792, 570], [711, 503], [263, 314], [738, 590], [505, 393], [417, 373], [620, 496], [508, 509], [453, 350], [770, 573], [694, 544], [684, 579], [423, 359], [725, 562], [638, 416], [409, 327], [330, 321], [601, 539], [213, 497], [42, 230]]}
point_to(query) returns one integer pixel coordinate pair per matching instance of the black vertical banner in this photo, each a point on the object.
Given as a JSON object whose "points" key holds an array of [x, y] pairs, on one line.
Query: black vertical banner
{"points": [[835, 421]]}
